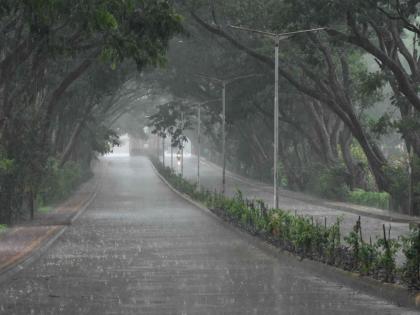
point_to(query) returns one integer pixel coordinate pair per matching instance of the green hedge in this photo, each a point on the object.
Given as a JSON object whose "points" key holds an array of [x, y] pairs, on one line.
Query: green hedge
{"points": [[306, 237], [367, 198]]}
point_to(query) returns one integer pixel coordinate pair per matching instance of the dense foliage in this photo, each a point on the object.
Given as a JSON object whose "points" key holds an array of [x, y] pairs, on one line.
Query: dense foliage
{"points": [[58, 182], [65, 67], [349, 102]]}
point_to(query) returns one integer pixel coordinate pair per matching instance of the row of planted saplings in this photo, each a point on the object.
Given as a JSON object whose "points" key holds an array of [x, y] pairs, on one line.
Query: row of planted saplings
{"points": [[316, 240]]}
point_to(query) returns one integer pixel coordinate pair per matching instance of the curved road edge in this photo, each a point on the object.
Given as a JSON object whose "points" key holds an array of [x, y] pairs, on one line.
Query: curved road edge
{"points": [[393, 293]]}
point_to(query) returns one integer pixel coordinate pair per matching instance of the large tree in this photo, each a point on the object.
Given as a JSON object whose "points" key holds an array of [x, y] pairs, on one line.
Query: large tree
{"points": [[322, 66], [47, 47]]}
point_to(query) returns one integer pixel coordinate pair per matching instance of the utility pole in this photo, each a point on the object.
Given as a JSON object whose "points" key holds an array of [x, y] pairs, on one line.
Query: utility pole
{"points": [[277, 37]]}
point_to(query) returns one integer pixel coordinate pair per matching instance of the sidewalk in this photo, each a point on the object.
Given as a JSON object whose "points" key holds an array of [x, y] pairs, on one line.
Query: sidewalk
{"points": [[21, 243]]}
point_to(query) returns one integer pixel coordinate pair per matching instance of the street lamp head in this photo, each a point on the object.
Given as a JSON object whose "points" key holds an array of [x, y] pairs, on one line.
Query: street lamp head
{"points": [[276, 36], [230, 80]]}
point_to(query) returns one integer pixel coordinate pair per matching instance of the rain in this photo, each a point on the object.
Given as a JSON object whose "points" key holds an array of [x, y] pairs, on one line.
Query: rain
{"points": [[209, 157]]}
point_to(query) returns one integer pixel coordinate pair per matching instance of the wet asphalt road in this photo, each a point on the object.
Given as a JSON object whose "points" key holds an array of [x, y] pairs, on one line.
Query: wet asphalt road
{"points": [[140, 249]]}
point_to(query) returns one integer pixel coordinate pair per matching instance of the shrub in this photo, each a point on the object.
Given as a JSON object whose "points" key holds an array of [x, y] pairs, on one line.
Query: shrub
{"points": [[387, 250], [398, 172], [354, 240], [411, 251], [368, 256], [368, 198], [330, 183], [59, 182]]}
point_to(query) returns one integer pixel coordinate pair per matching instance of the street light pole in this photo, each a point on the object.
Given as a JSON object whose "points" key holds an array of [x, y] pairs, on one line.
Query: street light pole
{"points": [[224, 137], [199, 146], [224, 84], [172, 155], [277, 37], [163, 151], [199, 105], [276, 122], [182, 148], [157, 146]]}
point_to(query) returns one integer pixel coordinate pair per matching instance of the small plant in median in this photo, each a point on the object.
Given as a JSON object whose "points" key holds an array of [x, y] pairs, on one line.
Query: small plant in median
{"points": [[411, 250], [307, 238]]}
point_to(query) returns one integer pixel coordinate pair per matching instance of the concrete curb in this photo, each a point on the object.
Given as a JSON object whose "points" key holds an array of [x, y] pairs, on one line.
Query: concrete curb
{"points": [[13, 269], [193, 202], [393, 293]]}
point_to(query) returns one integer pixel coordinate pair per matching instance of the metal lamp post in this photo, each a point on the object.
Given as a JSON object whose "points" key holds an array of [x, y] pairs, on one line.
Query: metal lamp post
{"points": [[277, 37], [224, 83], [172, 155], [198, 144], [157, 147], [182, 149], [163, 150], [199, 105]]}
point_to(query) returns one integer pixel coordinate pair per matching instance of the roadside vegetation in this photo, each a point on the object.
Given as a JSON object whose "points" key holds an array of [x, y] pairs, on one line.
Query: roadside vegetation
{"points": [[379, 200], [308, 238], [59, 183], [3, 228], [349, 105], [68, 71]]}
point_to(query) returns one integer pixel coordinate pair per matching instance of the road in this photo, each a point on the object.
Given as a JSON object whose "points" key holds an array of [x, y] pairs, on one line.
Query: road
{"points": [[211, 178], [141, 249]]}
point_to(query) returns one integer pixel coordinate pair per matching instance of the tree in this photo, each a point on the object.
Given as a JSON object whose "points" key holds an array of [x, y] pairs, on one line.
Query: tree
{"points": [[48, 46], [385, 30], [330, 88]]}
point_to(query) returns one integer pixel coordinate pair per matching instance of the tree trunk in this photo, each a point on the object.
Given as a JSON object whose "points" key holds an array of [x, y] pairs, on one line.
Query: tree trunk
{"points": [[355, 168], [72, 141], [328, 146]]}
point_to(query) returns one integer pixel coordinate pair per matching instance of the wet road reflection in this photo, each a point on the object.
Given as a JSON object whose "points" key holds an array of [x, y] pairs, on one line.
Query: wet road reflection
{"points": [[140, 249]]}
